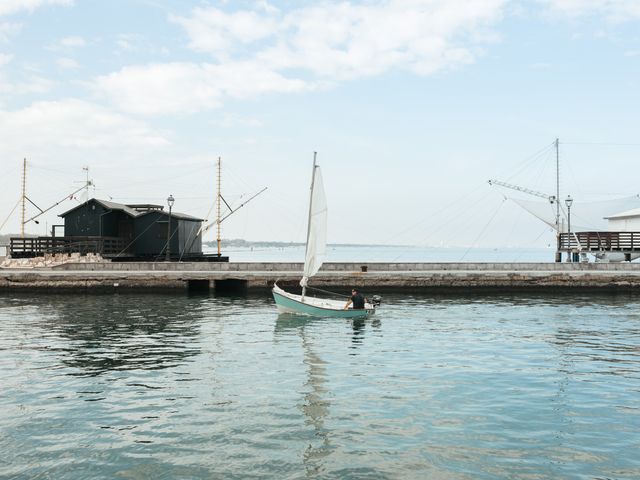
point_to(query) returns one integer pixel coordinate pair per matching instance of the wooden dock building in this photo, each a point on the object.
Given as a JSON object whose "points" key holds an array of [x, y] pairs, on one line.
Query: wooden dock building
{"points": [[118, 231]]}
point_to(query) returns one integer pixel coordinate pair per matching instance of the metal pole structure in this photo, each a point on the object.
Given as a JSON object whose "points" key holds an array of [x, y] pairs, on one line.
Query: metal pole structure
{"points": [[170, 201], [568, 202], [313, 179], [86, 169], [218, 198], [24, 196], [558, 253], [569, 231], [42, 212]]}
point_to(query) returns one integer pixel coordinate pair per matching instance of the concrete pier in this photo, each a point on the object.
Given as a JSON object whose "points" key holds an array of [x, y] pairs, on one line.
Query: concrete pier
{"points": [[372, 276]]}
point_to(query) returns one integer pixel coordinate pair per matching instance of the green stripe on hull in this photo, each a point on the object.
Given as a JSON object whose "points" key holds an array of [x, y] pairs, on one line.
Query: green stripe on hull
{"points": [[288, 305]]}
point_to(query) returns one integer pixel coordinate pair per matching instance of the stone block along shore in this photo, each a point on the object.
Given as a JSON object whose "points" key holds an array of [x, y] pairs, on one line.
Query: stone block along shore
{"points": [[112, 276]]}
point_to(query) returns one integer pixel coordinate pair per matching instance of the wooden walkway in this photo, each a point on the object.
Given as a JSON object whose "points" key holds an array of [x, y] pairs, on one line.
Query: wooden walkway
{"points": [[30, 247], [599, 242]]}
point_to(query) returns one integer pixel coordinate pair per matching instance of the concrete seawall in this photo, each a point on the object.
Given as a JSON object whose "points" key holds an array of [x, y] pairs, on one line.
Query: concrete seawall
{"points": [[238, 276]]}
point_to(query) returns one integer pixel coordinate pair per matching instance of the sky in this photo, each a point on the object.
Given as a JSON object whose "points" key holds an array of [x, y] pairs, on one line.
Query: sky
{"points": [[412, 105]]}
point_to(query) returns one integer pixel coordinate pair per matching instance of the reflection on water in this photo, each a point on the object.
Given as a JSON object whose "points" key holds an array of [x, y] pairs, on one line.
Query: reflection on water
{"points": [[315, 407], [120, 333], [205, 386], [358, 332]]}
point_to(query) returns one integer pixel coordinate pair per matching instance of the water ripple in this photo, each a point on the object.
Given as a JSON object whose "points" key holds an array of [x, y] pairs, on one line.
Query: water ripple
{"points": [[172, 386]]}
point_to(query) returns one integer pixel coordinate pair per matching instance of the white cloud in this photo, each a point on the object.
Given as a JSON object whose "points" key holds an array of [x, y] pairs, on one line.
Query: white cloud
{"points": [[126, 41], [31, 85], [212, 30], [133, 42], [186, 87], [348, 40], [264, 51], [8, 7], [72, 123], [73, 42], [65, 62], [8, 29], [67, 44], [613, 10], [5, 58]]}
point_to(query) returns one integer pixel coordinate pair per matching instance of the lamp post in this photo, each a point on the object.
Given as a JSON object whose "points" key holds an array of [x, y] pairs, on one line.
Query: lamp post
{"points": [[170, 201], [568, 202]]}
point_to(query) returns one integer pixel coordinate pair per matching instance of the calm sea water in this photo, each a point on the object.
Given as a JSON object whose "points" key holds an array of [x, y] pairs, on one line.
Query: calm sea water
{"points": [[179, 386]]}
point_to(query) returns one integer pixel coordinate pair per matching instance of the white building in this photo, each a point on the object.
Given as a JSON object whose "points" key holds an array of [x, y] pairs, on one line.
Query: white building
{"points": [[628, 221]]}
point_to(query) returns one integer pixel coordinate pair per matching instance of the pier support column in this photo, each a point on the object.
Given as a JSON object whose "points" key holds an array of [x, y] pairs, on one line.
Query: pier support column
{"points": [[198, 285], [231, 285]]}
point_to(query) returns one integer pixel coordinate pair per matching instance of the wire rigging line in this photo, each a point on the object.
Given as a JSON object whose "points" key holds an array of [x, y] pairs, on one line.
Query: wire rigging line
{"points": [[327, 291], [546, 229], [543, 170], [136, 238], [567, 164], [484, 229], [516, 222], [602, 143], [452, 218], [459, 216], [431, 216], [525, 163], [10, 213], [166, 245], [190, 244], [230, 172], [161, 179]]}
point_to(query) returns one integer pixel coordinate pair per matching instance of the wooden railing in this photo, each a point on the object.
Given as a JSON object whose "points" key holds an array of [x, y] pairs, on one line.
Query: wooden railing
{"points": [[599, 241], [38, 246]]}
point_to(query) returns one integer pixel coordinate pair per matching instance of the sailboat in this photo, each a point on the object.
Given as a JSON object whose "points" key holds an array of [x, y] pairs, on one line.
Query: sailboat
{"points": [[314, 255]]}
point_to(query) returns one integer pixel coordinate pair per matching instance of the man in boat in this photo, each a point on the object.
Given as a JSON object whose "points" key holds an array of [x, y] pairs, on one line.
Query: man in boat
{"points": [[356, 299]]}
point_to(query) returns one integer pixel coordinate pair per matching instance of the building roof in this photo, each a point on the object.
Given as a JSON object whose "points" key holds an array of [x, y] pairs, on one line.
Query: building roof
{"points": [[145, 206], [627, 214], [182, 216], [134, 210]]}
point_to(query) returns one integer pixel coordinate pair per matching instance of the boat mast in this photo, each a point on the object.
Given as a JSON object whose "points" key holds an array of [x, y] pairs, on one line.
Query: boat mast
{"points": [[558, 253], [558, 185], [313, 178], [24, 196], [218, 221]]}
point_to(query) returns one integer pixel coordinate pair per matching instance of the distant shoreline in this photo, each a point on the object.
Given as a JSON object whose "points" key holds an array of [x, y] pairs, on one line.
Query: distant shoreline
{"points": [[238, 242]]}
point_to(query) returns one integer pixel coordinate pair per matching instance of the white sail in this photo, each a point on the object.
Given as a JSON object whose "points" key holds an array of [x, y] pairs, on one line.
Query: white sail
{"points": [[585, 216], [317, 238]]}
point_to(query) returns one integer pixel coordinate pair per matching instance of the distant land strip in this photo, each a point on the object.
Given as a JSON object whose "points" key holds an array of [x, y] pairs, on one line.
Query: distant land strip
{"points": [[239, 242]]}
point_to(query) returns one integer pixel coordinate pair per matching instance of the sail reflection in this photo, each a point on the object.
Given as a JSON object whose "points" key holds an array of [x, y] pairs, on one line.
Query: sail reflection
{"points": [[315, 404]]}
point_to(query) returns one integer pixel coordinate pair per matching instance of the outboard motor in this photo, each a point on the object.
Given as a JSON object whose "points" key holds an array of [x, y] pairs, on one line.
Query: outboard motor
{"points": [[376, 300]]}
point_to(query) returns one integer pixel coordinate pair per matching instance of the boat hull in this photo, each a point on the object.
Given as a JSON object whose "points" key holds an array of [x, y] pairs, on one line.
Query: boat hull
{"points": [[290, 303]]}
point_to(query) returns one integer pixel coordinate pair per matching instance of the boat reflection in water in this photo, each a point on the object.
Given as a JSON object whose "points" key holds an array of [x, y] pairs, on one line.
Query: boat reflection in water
{"points": [[211, 386], [315, 404]]}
